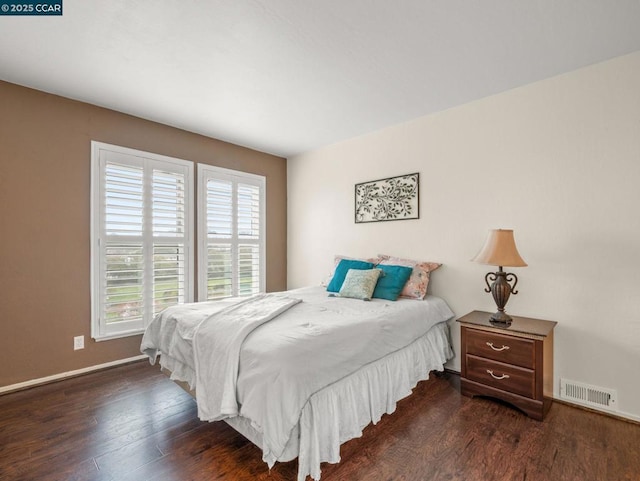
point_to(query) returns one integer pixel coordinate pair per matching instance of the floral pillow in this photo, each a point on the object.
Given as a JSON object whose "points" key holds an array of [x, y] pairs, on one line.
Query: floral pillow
{"points": [[360, 284], [416, 286]]}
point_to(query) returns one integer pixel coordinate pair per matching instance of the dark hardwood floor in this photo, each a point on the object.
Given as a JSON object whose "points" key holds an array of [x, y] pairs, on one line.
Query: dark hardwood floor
{"points": [[131, 423]]}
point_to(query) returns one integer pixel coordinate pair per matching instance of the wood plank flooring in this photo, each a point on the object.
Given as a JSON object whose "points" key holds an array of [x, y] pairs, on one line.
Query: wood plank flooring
{"points": [[131, 423]]}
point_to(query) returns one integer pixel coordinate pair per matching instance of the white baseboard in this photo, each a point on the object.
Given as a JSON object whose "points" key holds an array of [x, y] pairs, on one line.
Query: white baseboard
{"points": [[64, 375], [632, 417]]}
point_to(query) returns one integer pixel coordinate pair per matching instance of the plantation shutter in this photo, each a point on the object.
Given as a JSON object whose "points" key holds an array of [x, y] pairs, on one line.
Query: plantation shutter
{"points": [[249, 226], [231, 229], [122, 297], [169, 239], [141, 238], [219, 231]]}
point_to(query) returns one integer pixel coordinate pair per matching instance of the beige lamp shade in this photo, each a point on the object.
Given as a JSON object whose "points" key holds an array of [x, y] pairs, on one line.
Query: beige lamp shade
{"points": [[500, 250]]}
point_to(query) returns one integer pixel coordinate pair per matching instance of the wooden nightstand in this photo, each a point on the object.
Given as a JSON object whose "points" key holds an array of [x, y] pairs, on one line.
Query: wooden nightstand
{"points": [[513, 363]]}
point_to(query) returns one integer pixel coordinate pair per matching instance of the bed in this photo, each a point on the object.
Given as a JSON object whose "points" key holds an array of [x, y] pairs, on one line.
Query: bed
{"points": [[301, 372]]}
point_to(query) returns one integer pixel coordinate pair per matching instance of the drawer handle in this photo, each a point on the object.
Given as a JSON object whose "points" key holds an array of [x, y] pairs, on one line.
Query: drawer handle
{"points": [[503, 376], [503, 348]]}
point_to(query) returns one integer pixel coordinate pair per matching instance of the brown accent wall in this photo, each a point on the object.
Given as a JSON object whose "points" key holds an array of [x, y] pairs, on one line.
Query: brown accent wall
{"points": [[45, 172]]}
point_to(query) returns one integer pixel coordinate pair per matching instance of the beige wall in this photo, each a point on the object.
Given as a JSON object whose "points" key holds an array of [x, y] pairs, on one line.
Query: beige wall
{"points": [[558, 161], [45, 158]]}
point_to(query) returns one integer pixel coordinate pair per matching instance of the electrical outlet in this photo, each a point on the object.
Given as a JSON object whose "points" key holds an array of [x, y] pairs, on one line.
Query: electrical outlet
{"points": [[78, 343]]}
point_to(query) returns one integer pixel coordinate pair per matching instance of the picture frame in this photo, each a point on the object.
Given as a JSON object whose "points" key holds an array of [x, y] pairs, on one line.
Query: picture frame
{"points": [[393, 198]]}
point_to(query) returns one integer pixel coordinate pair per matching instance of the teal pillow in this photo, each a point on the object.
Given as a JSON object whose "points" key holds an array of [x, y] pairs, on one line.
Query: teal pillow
{"points": [[341, 271], [360, 283], [392, 281]]}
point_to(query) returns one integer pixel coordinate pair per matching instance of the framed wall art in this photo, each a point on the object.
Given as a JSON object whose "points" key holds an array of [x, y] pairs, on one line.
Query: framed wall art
{"points": [[395, 198]]}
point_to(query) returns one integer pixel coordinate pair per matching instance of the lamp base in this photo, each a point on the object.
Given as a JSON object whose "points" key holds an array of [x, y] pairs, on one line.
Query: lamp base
{"points": [[501, 318], [500, 289]]}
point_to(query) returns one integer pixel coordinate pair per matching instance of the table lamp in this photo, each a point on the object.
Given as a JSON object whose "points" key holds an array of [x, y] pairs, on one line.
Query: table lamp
{"points": [[500, 250]]}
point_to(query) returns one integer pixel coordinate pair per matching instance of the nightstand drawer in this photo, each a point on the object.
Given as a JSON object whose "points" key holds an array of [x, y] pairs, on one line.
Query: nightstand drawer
{"points": [[501, 376], [508, 349]]}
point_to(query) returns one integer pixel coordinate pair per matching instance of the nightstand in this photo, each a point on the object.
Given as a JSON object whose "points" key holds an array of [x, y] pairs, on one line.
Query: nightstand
{"points": [[513, 363]]}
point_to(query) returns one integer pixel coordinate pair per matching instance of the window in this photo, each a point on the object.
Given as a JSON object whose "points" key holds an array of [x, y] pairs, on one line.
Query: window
{"points": [[141, 238], [231, 226]]}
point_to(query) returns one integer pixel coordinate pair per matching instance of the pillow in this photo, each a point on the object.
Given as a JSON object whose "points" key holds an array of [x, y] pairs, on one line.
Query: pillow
{"points": [[341, 271], [336, 260], [416, 286], [359, 283], [391, 281]]}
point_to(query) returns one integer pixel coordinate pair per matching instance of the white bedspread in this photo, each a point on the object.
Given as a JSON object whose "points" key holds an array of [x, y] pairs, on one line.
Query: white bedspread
{"points": [[216, 347], [285, 362]]}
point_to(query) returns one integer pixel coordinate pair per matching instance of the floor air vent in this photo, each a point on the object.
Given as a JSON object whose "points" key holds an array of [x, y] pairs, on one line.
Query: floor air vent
{"points": [[592, 396]]}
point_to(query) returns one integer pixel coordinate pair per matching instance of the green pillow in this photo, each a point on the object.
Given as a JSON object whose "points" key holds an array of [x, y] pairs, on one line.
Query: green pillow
{"points": [[392, 281], [341, 271], [359, 284]]}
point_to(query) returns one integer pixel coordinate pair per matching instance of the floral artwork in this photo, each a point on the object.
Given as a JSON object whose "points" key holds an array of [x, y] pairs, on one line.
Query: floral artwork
{"points": [[395, 198]]}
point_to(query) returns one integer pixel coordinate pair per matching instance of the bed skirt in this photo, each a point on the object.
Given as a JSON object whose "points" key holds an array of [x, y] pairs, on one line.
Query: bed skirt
{"points": [[340, 411]]}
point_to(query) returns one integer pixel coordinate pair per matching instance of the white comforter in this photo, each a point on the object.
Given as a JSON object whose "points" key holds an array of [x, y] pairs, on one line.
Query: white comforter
{"points": [[283, 362], [216, 347]]}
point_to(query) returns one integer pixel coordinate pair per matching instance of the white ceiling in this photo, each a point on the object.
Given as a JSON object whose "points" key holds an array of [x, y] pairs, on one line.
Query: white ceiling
{"points": [[288, 76]]}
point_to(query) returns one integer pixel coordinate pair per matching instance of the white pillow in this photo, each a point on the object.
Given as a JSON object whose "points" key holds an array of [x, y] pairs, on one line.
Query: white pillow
{"points": [[360, 284]]}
